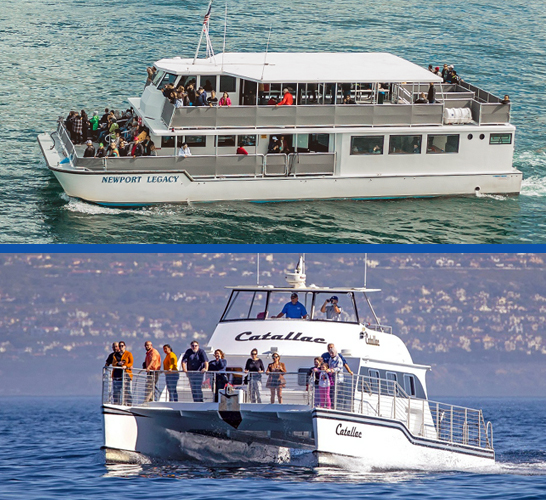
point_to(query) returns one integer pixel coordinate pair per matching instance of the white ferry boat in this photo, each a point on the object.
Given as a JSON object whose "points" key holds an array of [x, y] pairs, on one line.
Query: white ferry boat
{"points": [[380, 414], [378, 144]]}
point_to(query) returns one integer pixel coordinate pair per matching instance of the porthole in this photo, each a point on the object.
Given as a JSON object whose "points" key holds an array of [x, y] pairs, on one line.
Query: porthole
{"points": [[470, 136], [482, 137]]}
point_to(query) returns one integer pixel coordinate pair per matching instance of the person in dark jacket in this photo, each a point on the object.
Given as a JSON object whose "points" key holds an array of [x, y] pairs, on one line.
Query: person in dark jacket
{"points": [[218, 379], [254, 367], [431, 94], [101, 152], [89, 150]]}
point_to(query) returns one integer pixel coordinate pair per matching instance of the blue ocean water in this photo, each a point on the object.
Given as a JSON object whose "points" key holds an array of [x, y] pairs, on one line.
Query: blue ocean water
{"points": [[50, 449], [73, 54]]}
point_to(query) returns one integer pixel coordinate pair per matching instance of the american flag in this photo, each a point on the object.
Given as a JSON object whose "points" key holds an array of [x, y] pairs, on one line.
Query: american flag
{"points": [[207, 15]]}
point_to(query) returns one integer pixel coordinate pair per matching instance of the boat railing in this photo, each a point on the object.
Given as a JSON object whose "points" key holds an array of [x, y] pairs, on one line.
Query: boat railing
{"points": [[219, 166], [66, 141], [378, 328], [360, 394], [321, 115]]}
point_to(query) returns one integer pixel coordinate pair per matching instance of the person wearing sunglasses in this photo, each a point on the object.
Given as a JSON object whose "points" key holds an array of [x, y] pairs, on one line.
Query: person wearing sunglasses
{"points": [[195, 363], [276, 381], [254, 367]]}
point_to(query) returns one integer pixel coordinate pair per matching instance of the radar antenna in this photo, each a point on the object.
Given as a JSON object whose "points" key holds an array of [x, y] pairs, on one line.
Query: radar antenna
{"points": [[297, 278]]}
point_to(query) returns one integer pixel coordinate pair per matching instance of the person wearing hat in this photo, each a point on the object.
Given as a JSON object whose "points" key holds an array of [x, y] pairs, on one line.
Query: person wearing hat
{"points": [[287, 99], [293, 309], [89, 150], [332, 310]]}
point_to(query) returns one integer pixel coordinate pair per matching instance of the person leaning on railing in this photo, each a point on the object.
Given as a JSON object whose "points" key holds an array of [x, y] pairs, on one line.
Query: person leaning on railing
{"points": [[151, 364], [218, 377], [170, 365], [126, 364], [195, 363]]}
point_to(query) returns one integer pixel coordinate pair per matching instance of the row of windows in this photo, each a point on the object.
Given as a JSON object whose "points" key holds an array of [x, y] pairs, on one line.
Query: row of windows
{"points": [[411, 144], [200, 141], [221, 83]]}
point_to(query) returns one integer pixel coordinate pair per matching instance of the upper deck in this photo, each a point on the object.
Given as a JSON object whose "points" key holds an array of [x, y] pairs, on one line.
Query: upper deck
{"points": [[380, 88]]}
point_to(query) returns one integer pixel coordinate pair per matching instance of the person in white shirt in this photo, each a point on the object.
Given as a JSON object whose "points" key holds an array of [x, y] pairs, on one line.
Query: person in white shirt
{"points": [[184, 151]]}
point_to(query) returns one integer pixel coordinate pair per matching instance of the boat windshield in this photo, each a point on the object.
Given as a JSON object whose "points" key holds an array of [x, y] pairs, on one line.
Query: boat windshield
{"points": [[262, 305]]}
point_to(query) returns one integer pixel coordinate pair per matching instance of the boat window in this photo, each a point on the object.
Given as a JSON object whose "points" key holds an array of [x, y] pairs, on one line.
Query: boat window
{"points": [[158, 77], [500, 139], [374, 380], [277, 301], [167, 78], [442, 144], [363, 93], [344, 302], [228, 83], [167, 141], [319, 143], [208, 82], [405, 144], [307, 93], [303, 143], [246, 305], [369, 145], [409, 384], [187, 79], [196, 141], [247, 140], [223, 141], [392, 379]]}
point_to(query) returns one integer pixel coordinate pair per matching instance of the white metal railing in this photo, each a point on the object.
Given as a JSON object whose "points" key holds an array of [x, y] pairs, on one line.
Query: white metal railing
{"points": [[358, 394]]}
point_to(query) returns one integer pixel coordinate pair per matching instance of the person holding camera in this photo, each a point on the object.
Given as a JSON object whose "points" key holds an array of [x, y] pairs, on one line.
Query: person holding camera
{"points": [[331, 308]]}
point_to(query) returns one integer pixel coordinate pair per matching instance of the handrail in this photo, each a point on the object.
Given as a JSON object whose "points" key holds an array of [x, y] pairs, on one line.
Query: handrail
{"points": [[359, 394]]}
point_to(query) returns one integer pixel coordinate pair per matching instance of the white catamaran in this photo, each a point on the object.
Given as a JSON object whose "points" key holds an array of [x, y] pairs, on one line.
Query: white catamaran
{"points": [[375, 410], [349, 128]]}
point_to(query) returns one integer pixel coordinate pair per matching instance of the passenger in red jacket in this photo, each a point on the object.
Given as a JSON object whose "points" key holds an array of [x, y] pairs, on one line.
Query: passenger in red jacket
{"points": [[287, 99]]}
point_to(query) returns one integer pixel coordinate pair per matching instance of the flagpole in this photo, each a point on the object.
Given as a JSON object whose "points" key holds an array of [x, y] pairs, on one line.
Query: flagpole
{"points": [[205, 28]]}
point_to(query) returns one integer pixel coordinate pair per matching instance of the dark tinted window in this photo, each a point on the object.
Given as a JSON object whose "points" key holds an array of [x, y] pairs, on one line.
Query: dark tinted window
{"points": [[405, 144], [372, 145], [196, 141], [225, 141], [437, 144], [227, 83]]}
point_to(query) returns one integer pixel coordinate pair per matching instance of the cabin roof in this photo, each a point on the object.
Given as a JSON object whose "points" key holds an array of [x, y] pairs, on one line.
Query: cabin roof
{"points": [[305, 67], [315, 289]]}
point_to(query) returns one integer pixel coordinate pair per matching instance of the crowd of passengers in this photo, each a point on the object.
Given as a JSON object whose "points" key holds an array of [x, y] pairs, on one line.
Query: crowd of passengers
{"points": [[326, 372], [117, 134]]}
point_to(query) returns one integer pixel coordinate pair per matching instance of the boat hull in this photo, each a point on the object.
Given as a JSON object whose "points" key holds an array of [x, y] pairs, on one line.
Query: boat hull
{"points": [[276, 434], [147, 187]]}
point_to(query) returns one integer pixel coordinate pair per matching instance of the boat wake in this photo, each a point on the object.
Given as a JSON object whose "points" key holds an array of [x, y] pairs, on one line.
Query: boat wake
{"points": [[534, 186]]}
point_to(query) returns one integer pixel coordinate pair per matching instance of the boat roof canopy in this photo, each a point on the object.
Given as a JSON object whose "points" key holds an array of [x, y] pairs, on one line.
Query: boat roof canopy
{"points": [[311, 289], [305, 67]]}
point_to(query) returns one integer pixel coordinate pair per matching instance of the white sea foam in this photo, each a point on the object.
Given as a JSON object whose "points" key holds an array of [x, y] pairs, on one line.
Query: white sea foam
{"points": [[534, 186]]}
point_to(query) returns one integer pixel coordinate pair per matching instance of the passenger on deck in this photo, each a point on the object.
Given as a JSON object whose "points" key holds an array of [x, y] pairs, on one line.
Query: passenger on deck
{"points": [[348, 100], [170, 365], [445, 71], [422, 99], [101, 152], [276, 380], [212, 100], [138, 149], [219, 378], [126, 364], [85, 125], [94, 121], [195, 363], [325, 385], [152, 364], [431, 93], [113, 150], [124, 148], [184, 151], [272, 101], [151, 73], [455, 77], [332, 351], [208, 86], [153, 150], [78, 129], [190, 90], [168, 89], [437, 71], [201, 97], [506, 99], [89, 150], [293, 309], [179, 103], [117, 374], [332, 310], [287, 99], [241, 150], [225, 100], [254, 367], [274, 146]]}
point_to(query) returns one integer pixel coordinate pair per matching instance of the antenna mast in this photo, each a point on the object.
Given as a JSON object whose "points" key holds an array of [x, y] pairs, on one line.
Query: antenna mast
{"points": [[257, 269], [205, 31], [266, 50], [365, 269]]}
